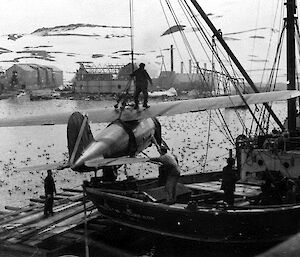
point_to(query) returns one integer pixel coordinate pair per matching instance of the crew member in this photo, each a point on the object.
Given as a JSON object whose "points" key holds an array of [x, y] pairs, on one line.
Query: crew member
{"points": [[229, 179], [141, 85], [170, 170], [110, 173], [50, 190]]}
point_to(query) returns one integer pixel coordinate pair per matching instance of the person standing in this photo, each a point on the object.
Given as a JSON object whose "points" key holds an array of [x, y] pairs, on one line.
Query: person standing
{"points": [[229, 179], [141, 85], [170, 170], [50, 190]]}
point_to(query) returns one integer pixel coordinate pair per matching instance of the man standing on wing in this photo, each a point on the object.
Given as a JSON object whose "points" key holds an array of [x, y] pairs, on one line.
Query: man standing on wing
{"points": [[141, 85]]}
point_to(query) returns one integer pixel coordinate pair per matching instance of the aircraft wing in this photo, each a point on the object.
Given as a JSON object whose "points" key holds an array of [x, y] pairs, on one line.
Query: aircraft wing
{"points": [[202, 104], [114, 161], [157, 109]]}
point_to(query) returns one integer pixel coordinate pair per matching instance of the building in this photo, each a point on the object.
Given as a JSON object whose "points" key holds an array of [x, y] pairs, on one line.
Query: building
{"points": [[184, 81], [33, 76], [109, 79]]}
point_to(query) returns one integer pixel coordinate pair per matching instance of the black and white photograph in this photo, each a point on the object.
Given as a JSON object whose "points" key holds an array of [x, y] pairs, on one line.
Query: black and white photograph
{"points": [[149, 128]]}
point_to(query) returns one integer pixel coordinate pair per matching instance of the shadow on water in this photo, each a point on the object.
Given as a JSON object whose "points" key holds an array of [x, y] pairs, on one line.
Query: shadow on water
{"points": [[120, 241]]}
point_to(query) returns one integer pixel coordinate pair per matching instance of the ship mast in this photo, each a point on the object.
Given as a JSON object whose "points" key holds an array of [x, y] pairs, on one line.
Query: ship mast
{"points": [[291, 81], [131, 34]]}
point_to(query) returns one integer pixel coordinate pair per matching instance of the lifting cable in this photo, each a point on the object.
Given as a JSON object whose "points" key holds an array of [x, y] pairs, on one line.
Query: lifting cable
{"points": [[208, 139]]}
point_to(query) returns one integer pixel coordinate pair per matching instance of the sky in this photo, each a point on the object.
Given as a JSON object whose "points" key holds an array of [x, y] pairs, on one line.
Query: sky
{"points": [[231, 16]]}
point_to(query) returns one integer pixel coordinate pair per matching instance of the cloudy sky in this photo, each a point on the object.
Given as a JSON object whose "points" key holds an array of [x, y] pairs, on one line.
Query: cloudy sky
{"points": [[246, 24]]}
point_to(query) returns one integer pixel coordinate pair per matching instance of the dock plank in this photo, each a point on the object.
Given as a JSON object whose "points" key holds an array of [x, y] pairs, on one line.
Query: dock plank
{"points": [[41, 224], [60, 227], [31, 218]]}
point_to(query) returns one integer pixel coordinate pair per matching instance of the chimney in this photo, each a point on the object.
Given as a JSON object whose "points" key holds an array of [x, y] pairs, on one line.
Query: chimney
{"points": [[172, 61], [205, 66], [181, 65], [190, 66]]}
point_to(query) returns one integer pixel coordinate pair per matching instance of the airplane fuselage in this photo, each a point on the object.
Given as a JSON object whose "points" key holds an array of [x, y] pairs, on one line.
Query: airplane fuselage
{"points": [[116, 140]]}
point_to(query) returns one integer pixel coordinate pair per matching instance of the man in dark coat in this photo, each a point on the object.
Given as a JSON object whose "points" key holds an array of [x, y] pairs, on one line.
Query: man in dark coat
{"points": [[141, 85], [229, 179], [50, 190]]}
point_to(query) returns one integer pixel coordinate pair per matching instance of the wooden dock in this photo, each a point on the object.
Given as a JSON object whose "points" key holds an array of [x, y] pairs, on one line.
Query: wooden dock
{"points": [[26, 232]]}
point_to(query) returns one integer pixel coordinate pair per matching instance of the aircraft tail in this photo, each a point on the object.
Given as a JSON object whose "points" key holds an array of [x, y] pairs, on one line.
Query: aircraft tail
{"points": [[79, 135]]}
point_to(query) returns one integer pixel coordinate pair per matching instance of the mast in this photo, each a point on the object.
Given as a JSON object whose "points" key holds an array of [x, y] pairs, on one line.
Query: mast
{"points": [[131, 33], [234, 59], [172, 59], [290, 42]]}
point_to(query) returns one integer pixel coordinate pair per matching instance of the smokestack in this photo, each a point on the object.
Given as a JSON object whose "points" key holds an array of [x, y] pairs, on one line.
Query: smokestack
{"points": [[190, 66], [172, 63], [181, 65]]}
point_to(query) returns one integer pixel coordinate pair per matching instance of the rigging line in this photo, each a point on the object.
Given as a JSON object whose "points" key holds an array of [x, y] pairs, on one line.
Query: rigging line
{"points": [[269, 45], [208, 139], [197, 23], [204, 35], [235, 60], [188, 47], [204, 32], [254, 41], [190, 14], [175, 42], [275, 80], [227, 132], [298, 44], [224, 68], [274, 70], [185, 11]]}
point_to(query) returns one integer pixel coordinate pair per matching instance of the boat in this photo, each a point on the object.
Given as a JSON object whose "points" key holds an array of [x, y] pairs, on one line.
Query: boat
{"points": [[199, 213]]}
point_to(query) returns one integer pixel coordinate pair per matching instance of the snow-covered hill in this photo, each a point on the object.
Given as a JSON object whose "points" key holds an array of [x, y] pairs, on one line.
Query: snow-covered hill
{"points": [[66, 45]]}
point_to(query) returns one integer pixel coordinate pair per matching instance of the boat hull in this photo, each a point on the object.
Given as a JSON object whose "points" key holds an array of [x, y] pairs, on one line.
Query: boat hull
{"points": [[206, 224]]}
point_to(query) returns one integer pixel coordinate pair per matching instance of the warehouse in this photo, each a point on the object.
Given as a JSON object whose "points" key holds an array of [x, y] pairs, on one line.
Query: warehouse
{"points": [[108, 79], [33, 76]]}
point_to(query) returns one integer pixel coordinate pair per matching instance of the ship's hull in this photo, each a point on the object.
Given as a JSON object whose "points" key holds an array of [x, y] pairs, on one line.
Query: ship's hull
{"points": [[200, 222]]}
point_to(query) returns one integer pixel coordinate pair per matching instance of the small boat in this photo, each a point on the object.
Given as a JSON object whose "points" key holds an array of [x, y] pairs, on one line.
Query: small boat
{"points": [[199, 213]]}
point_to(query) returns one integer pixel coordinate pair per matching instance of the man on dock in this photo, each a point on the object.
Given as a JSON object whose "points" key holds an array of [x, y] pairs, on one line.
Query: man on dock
{"points": [[141, 85], [229, 179], [50, 190], [170, 170]]}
